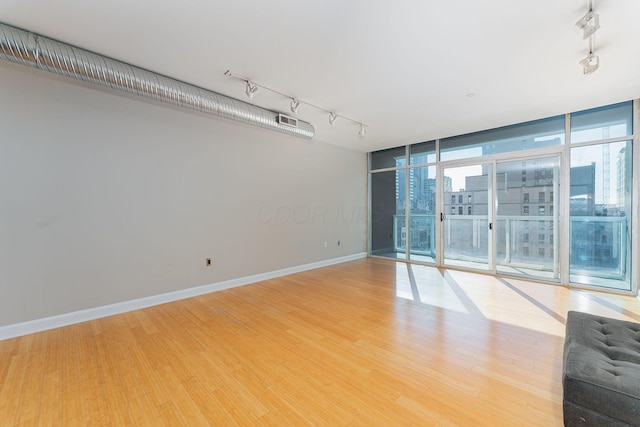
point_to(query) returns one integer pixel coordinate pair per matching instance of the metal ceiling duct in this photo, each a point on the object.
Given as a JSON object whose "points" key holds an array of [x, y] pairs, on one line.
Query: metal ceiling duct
{"points": [[27, 48]]}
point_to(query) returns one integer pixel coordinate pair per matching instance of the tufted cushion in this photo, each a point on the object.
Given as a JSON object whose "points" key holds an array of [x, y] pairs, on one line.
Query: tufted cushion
{"points": [[601, 369]]}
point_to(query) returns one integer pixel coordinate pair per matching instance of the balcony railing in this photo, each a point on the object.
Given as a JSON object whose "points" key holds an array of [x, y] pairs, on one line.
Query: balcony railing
{"points": [[599, 246]]}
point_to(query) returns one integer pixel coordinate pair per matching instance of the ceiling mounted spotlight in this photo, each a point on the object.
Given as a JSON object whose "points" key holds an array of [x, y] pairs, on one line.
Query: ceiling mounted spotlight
{"points": [[589, 24], [250, 90], [295, 105], [590, 63], [362, 132]]}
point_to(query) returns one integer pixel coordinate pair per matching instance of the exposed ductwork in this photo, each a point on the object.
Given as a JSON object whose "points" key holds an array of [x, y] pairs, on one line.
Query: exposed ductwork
{"points": [[27, 48]]}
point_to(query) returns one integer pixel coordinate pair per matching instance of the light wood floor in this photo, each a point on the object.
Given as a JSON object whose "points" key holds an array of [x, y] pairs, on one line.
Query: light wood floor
{"points": [[365, 343]]}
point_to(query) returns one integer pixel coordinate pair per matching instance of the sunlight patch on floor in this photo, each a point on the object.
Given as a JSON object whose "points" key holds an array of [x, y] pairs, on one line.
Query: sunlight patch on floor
{"points": [[427, 286], [507, 303], [518, 302]]}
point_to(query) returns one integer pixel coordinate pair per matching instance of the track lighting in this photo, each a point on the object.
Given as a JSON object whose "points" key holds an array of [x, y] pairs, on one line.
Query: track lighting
{"points": [[295, 105], [590, 63], [250, 90], [589, 24]]}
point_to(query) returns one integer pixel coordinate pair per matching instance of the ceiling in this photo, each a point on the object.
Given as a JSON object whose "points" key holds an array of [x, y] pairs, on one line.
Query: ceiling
{"points": [[411, 70]]}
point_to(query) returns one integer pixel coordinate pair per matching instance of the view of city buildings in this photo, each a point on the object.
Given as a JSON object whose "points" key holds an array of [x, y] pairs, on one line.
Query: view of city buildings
{"points": [[527, 226], [528, 203]]}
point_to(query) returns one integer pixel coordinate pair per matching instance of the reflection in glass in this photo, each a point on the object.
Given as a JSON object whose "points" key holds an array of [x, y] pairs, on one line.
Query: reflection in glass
{"points": [[387, 203], [612, 121], [391, 158], [525, 243], [425, 152], [524, 136], [600, 215], [422, 224]]}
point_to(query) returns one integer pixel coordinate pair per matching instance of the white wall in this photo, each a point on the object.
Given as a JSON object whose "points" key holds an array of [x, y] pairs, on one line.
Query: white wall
{"points": [[105, 198]]}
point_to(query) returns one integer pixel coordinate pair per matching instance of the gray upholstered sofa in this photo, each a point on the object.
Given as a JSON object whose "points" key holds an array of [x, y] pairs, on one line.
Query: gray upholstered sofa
{"points": [[601, 371]]}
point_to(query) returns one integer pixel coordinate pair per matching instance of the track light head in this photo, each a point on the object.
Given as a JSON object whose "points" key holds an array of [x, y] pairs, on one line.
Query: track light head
{"points": [[295, 105], [589, 24], [362, 132], [251, 90], [590, 63]]}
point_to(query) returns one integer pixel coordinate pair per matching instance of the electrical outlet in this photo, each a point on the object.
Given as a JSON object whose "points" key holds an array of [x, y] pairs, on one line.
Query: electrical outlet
{"points": [[208, 262], [325, 244]]}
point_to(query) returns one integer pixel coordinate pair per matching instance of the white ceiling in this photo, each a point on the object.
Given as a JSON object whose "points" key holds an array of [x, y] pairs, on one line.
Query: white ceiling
{"points": [[403, 67]]}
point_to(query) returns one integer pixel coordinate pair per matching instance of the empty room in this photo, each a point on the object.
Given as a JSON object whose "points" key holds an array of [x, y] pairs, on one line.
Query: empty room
{"points": [[336, 213]]}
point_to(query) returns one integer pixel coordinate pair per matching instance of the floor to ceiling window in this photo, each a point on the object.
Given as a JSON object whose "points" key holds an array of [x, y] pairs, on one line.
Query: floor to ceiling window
{"points": [[403, 206], [388, 202], [422, 202], [500, 201], [497, 199], [601, 197]]}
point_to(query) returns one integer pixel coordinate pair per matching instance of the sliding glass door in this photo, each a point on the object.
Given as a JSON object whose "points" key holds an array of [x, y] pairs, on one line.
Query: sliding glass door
{"points": [[527, 226], [467, 216], [502, 217]]}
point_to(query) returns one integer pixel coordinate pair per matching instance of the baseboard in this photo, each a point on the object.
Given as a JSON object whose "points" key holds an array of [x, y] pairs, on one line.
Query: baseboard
{"points": [[39, 325]]}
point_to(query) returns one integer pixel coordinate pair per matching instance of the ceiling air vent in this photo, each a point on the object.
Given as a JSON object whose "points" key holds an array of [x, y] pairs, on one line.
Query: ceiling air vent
{"points": [[33, 50], [287, 121]]}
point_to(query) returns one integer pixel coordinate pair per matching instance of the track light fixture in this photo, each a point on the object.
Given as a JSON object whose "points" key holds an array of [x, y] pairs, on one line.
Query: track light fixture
{"points": [[252, 87], [589, 24], [251, 90], [362, 132], [295, 105], [590, 63]]}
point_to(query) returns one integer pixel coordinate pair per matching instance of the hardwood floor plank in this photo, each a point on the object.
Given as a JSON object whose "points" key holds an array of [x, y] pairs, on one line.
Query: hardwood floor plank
{"points": [[32, 385], [365, 343], [12, 387]]}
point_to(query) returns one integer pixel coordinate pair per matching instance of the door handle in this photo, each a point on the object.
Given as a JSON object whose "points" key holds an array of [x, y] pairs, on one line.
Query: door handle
{"points": [[490, 226], [441, 217]]}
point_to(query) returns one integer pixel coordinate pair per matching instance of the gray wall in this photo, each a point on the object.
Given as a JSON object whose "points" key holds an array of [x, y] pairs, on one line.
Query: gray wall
{"points": [[106, 198]]}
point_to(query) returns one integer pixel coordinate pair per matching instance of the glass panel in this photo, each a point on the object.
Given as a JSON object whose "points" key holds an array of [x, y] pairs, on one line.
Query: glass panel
{"points": [[424, 152], [525, 136], [467, 237], [422, 224], [391, 158], [525, 240], [387, 214], [600, 221], [611, 121]]}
